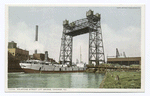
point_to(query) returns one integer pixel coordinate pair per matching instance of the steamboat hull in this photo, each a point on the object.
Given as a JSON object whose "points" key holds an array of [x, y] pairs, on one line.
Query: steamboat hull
{"points": [[37, 71]]}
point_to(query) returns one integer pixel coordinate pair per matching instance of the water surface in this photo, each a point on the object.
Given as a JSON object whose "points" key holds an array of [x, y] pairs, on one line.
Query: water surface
{"points": [[54, 80]]}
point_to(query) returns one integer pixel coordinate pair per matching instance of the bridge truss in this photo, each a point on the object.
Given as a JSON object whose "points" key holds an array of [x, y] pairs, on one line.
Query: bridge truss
{"points": [[91, 25]]}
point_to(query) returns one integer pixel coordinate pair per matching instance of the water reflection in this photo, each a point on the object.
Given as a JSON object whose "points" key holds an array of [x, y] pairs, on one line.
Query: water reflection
{"points": [[55, 80]]}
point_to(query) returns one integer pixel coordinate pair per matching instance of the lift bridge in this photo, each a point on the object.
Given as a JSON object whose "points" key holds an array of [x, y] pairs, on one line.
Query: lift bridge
{"points": [[92, 25]]}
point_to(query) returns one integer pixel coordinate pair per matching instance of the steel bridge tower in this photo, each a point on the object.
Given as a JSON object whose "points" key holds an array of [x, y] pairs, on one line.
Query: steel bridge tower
{"points": [[92, 25]]}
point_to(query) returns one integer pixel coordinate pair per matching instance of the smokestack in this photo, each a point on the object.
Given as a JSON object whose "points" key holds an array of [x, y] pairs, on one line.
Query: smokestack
{"points": [[35, 51], [36, 35], [46, 55], [80, 55]]}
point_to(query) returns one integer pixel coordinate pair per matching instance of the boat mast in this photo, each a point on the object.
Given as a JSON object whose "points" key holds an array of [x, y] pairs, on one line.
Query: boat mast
{"points": [[80, 55]]}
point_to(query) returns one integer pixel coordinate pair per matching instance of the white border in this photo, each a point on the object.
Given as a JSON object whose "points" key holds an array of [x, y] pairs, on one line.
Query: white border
{"points": [[80, 89]]}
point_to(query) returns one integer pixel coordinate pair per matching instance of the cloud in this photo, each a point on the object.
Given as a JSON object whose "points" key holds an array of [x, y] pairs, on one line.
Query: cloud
{"points": [[81, 41], [23, 35], [49, 38], [120, 29], [126, 40]]}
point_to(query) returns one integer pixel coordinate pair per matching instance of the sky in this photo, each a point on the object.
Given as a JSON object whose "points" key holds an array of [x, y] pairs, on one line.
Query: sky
{"points": [[121, 28]]}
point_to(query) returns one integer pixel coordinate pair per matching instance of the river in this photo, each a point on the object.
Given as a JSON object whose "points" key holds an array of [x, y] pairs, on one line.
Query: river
{"points": [[54, 80]]}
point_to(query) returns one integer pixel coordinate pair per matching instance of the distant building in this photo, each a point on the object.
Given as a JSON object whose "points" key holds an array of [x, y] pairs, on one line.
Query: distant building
{"points": [[17, 52], [125, 61], [41, 56], [13, 64], [12, 44], [51, 60], [15, 56], [31, 57]]}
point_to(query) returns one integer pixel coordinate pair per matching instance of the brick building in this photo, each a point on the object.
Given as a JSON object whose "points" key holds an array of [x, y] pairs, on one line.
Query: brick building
{"points": [[15, 55], [17, 52]]}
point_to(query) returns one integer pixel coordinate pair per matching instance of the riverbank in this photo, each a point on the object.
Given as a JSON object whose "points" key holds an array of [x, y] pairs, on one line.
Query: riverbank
{"points": [[93, 70], [122, 80], [103, 68]]}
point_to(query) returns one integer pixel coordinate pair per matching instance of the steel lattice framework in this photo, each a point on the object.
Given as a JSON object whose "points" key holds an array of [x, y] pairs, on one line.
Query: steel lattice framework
{"points": [[90, 25]]}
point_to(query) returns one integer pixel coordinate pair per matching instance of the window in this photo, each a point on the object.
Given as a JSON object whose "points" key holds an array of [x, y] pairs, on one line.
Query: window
{"points": [[35, 62], [46, 63]]}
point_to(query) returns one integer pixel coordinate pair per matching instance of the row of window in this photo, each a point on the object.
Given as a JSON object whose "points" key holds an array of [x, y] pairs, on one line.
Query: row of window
{"points": [[21, 55], [35, 62]]}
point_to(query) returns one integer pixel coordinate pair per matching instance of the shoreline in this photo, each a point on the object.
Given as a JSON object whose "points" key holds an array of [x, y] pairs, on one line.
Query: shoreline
{"points": [[50, 72], [124, 80], [102, 83]]}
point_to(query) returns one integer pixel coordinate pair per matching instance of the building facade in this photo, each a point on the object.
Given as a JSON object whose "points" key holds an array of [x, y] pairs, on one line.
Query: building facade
{"points": [[39, 56], [17, 52], [12, 44], [125, 61], [15, 56]]}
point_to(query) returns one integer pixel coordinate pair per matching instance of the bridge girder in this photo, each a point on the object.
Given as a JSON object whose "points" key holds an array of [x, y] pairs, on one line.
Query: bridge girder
{"points": [[90, 25]]}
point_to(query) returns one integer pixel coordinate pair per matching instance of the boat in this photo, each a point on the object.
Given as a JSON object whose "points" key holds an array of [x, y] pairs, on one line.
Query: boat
{"points": [[37, 66], [81, 64]]}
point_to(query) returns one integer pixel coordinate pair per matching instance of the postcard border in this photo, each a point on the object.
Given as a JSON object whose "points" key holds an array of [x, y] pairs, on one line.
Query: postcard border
{"points": [[64, 90]]}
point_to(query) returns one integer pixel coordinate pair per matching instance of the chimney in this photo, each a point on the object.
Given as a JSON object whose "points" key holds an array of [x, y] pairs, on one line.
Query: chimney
{"points": [[36, 35], [35, 51], [46, 55]]}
